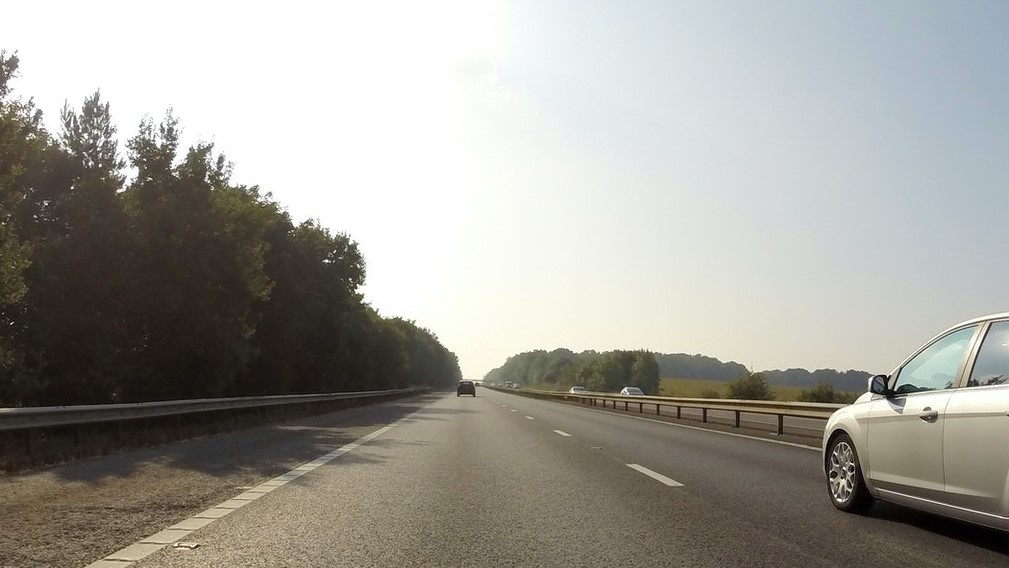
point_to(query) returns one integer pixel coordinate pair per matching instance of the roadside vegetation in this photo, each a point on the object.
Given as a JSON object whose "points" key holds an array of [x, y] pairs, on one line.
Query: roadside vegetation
{"points": [[709, 378], [153, 276], [561, 369], [700, 388]]}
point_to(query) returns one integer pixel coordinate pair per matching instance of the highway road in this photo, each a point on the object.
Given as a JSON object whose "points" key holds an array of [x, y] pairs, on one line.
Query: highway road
{"points": [[496, 480]]}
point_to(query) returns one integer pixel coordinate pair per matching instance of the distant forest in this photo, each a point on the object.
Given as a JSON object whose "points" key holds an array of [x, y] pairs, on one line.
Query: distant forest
{"points": [[562, 368], [156, 277]]}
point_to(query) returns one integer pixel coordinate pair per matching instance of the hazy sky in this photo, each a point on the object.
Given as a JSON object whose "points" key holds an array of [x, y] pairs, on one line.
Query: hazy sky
{"points": [[784, 184]]}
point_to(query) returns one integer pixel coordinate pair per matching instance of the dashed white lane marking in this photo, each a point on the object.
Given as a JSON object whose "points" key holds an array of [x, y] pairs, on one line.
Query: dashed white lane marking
{"points": [[562, 433], [656, 476], [150, 545], [530, 418], [513, 410]]}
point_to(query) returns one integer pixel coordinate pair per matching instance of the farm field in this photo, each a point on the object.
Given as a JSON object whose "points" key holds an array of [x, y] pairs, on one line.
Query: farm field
{"points": [[697, 388]]}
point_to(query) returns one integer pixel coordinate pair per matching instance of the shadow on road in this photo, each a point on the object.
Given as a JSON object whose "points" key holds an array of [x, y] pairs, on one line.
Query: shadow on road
{"points": [[261, 451], [989, 539]]}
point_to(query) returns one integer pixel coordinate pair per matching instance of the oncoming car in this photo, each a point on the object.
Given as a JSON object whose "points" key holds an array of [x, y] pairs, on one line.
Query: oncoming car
{"points": [[465, 387], [631, 391], [932, 434], [577, 389]]}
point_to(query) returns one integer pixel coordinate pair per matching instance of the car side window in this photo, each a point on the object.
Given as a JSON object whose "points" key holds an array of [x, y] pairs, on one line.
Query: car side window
{"points": [[992, 364], [936, 366]]}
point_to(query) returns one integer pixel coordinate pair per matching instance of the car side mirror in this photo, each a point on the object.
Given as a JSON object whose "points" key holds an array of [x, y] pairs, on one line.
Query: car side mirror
{"points": [[878, 385]]}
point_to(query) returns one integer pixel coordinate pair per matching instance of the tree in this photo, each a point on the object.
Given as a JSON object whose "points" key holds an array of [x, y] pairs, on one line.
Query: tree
{"points": [[428, 362], [823, 392], [22, 140], [179, 284], [73, 323], [198, 269], [750, 386], [645, 372], [24, 146]]}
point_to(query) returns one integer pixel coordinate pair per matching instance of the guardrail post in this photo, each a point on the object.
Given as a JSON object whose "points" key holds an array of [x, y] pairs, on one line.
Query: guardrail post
{"points": [[641, 408], [678, 412], [658, 412], [737, 419], [704, 415], [625, 405], [781, 424]]}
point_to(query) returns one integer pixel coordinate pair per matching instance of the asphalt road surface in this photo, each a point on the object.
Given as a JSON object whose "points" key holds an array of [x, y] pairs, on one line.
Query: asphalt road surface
{"points": [[502, 480]]}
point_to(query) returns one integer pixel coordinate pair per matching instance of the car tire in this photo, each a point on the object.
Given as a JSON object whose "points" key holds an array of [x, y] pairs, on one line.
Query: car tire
{"points": [[845, 483]]}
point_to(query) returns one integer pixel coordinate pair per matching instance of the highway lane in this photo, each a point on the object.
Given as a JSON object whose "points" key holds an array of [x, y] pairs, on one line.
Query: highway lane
{"points": [[777, 486], [501, 480]]}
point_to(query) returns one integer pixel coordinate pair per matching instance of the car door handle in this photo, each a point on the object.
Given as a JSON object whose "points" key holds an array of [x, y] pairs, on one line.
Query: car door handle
{"points": [[929, 415]]}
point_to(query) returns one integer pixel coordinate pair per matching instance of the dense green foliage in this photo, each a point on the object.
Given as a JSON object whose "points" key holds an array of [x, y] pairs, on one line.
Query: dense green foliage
{"points": [[824, 392], [561, 368], [176, 283], [683, 366], [599, 372], [750, 386], [686, 366]]}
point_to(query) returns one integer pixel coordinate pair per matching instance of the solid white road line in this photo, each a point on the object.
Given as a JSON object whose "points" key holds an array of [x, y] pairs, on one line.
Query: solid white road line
{"points": [[656, 476], [562, 433], [530, 418]]}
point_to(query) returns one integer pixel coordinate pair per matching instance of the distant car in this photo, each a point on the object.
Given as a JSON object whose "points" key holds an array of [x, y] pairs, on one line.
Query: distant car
{"points": [[631, 391], [577, 389], [465, 387], [509, 384], [931, 434], [517, 386]]}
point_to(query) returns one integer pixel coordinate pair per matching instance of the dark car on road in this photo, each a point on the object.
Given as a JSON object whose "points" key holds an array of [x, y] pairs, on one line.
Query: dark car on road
{"points": [[465, 387]]}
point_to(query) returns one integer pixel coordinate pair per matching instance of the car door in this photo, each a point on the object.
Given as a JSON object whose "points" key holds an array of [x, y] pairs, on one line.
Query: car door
{"points": [[904, 431], [975, 448]]}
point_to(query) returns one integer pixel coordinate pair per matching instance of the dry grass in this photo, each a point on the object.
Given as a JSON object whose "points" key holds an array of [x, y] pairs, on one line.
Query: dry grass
{"points": [[697, 388]]}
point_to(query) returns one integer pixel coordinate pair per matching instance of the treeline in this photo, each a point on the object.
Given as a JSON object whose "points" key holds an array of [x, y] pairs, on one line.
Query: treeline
{"points": [[683, 366], [561, 369], [176, 282]]}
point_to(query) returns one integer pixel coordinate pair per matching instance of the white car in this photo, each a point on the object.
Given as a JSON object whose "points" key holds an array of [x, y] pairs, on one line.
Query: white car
{"points": [[577, 390], [931, 434], [631, 391]]}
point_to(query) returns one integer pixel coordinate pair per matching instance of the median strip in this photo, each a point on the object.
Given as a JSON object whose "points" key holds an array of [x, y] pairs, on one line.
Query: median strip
{"points": [[656, 476]]}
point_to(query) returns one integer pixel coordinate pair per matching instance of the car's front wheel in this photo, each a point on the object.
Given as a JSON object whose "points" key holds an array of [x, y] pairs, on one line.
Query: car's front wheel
{"points": [[844, 477]]}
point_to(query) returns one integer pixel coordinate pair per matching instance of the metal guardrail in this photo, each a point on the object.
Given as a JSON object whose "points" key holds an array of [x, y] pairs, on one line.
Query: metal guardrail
{"points": [[814, 410], [55, 416]]}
